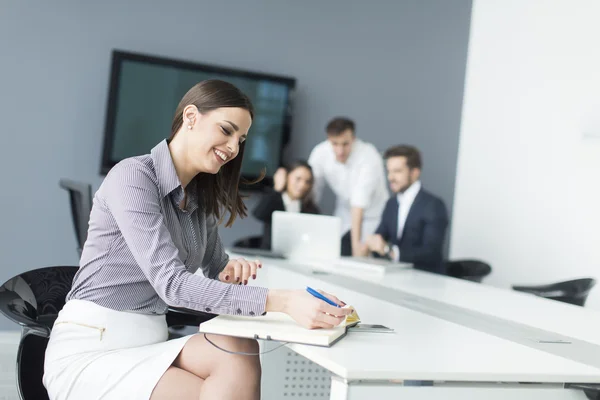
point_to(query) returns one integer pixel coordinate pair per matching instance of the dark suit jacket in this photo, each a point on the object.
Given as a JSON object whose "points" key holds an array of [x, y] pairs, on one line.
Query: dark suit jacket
{"points": [[424, 231], [273, 201]]}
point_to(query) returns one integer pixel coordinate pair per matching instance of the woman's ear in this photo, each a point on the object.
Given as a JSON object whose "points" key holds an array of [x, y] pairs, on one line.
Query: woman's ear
{"points": [[190, 115]]}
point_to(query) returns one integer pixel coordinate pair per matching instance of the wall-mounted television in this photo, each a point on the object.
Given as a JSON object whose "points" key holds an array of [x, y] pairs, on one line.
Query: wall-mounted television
{"points": [[144, 92]]}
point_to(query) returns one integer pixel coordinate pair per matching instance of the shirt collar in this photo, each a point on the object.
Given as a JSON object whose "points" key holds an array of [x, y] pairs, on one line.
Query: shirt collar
{"points": [[165, 169], [355, 145], [410, 193], [192, 193]]}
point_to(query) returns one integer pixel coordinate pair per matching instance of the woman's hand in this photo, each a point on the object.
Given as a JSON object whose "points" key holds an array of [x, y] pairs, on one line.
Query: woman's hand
{"points": [[239, 271], [306, 309], [280, 179]]}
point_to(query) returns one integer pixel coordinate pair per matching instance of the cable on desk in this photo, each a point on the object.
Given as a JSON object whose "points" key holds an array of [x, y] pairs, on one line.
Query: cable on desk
{"points": [[241, 352]]}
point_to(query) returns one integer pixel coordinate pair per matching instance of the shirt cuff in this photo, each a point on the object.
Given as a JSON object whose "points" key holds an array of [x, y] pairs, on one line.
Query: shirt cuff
{"points": [[248, 301], [396, 251], [222, 261]]}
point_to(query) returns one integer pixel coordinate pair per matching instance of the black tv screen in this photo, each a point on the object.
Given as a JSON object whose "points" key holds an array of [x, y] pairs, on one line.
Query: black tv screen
{"points": [[144, 93]]}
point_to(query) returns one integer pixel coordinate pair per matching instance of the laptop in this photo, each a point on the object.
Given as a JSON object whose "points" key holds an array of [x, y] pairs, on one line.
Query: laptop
{"points": [[260, 253], [370, 264], [299, 236]]}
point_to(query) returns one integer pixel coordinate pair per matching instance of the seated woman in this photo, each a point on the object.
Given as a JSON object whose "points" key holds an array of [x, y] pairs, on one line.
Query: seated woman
{"points": [[292, 193], [154, 223]]}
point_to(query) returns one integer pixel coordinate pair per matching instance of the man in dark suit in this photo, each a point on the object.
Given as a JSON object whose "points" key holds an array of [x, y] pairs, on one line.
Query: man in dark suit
{"points": [[414, 221]]}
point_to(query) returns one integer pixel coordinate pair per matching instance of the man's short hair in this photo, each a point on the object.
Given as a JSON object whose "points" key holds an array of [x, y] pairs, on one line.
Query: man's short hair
{"points": [[411, 153], [338, 125]]}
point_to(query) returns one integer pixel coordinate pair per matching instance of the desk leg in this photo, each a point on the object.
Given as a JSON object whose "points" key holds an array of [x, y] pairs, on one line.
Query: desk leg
{"points": [[343, 390], [339, 389]]}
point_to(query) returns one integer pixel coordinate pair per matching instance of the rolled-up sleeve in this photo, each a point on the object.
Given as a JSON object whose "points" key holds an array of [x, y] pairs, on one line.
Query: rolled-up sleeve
{"points": [[133, 199]]}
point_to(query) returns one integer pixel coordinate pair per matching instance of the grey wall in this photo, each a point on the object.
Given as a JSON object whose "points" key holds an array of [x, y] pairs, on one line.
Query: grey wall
{"points": [[397, 68]]}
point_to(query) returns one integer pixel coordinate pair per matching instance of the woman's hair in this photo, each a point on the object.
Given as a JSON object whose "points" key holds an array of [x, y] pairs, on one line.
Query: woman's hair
{"points": [[218, 192], [307, 200], [298, 164]]}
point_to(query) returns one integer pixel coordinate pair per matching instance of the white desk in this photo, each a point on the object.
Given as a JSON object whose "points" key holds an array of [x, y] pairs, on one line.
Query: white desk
{"points": [[562, 329], [464, 362], [550, 315]]}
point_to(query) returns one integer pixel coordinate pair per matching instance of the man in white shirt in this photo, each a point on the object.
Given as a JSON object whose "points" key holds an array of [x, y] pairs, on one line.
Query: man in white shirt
{"points": [[354, 171], [414, 222]]}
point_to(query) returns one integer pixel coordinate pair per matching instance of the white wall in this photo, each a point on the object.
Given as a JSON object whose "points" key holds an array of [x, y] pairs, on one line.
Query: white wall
{"points": [[527, 195]]}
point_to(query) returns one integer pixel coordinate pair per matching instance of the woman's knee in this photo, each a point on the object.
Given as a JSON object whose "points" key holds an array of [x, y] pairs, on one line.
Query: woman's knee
{"points": [[246, 350], [245, 353], [247, 346], [234, 345], [220, 351]]}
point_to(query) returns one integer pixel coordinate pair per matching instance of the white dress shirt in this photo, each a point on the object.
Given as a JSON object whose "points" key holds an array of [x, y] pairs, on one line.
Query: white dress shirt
{"points": [[289, 204], [359, 182], [405, 202]]}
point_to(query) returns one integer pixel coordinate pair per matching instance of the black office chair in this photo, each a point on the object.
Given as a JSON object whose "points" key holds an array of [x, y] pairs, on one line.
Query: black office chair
{"points": [[573, 292], [33, 300], [591, 390], [80, 196], [249, 242], [471, 270], [592, 394]]}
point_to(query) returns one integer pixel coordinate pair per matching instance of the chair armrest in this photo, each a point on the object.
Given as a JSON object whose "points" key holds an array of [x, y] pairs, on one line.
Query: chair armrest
{"points": [[187, 317]]}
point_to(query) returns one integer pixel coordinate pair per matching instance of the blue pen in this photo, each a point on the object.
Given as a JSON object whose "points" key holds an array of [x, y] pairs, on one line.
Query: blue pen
{"points": [[320, 296]]}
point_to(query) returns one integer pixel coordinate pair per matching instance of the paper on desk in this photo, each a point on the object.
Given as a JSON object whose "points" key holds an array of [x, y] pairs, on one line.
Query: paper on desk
{"points": [[352, 319]]}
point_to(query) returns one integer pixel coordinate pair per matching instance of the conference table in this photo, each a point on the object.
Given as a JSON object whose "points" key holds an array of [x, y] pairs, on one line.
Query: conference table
{"points": [[431, 352], [560, 318], [561, 328]]}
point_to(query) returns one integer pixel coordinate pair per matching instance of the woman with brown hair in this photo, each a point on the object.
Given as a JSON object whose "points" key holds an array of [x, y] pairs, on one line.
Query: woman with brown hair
{"points": [[292, 192], [153, 225]]}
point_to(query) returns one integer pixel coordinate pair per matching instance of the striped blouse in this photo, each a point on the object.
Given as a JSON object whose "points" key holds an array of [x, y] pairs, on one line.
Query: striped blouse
{"points": [[142, 250]]}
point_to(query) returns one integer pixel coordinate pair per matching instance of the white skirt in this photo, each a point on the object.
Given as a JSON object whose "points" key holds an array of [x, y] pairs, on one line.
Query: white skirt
{"points": [[98, 353]]}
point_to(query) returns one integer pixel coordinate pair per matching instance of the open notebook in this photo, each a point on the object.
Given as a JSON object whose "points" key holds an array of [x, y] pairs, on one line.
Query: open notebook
{"points": [[277, 326]]}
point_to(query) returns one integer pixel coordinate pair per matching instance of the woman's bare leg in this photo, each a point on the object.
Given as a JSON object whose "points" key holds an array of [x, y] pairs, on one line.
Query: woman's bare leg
{"points": [[226, 376], [177, 384]]}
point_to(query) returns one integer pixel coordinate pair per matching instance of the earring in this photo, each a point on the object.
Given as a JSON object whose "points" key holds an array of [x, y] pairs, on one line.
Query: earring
{"points": [[189, 127], [190, 124]]}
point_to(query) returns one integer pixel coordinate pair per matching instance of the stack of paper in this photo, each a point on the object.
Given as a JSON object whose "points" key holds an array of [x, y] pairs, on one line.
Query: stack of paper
{"points": [[277, 326]]}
